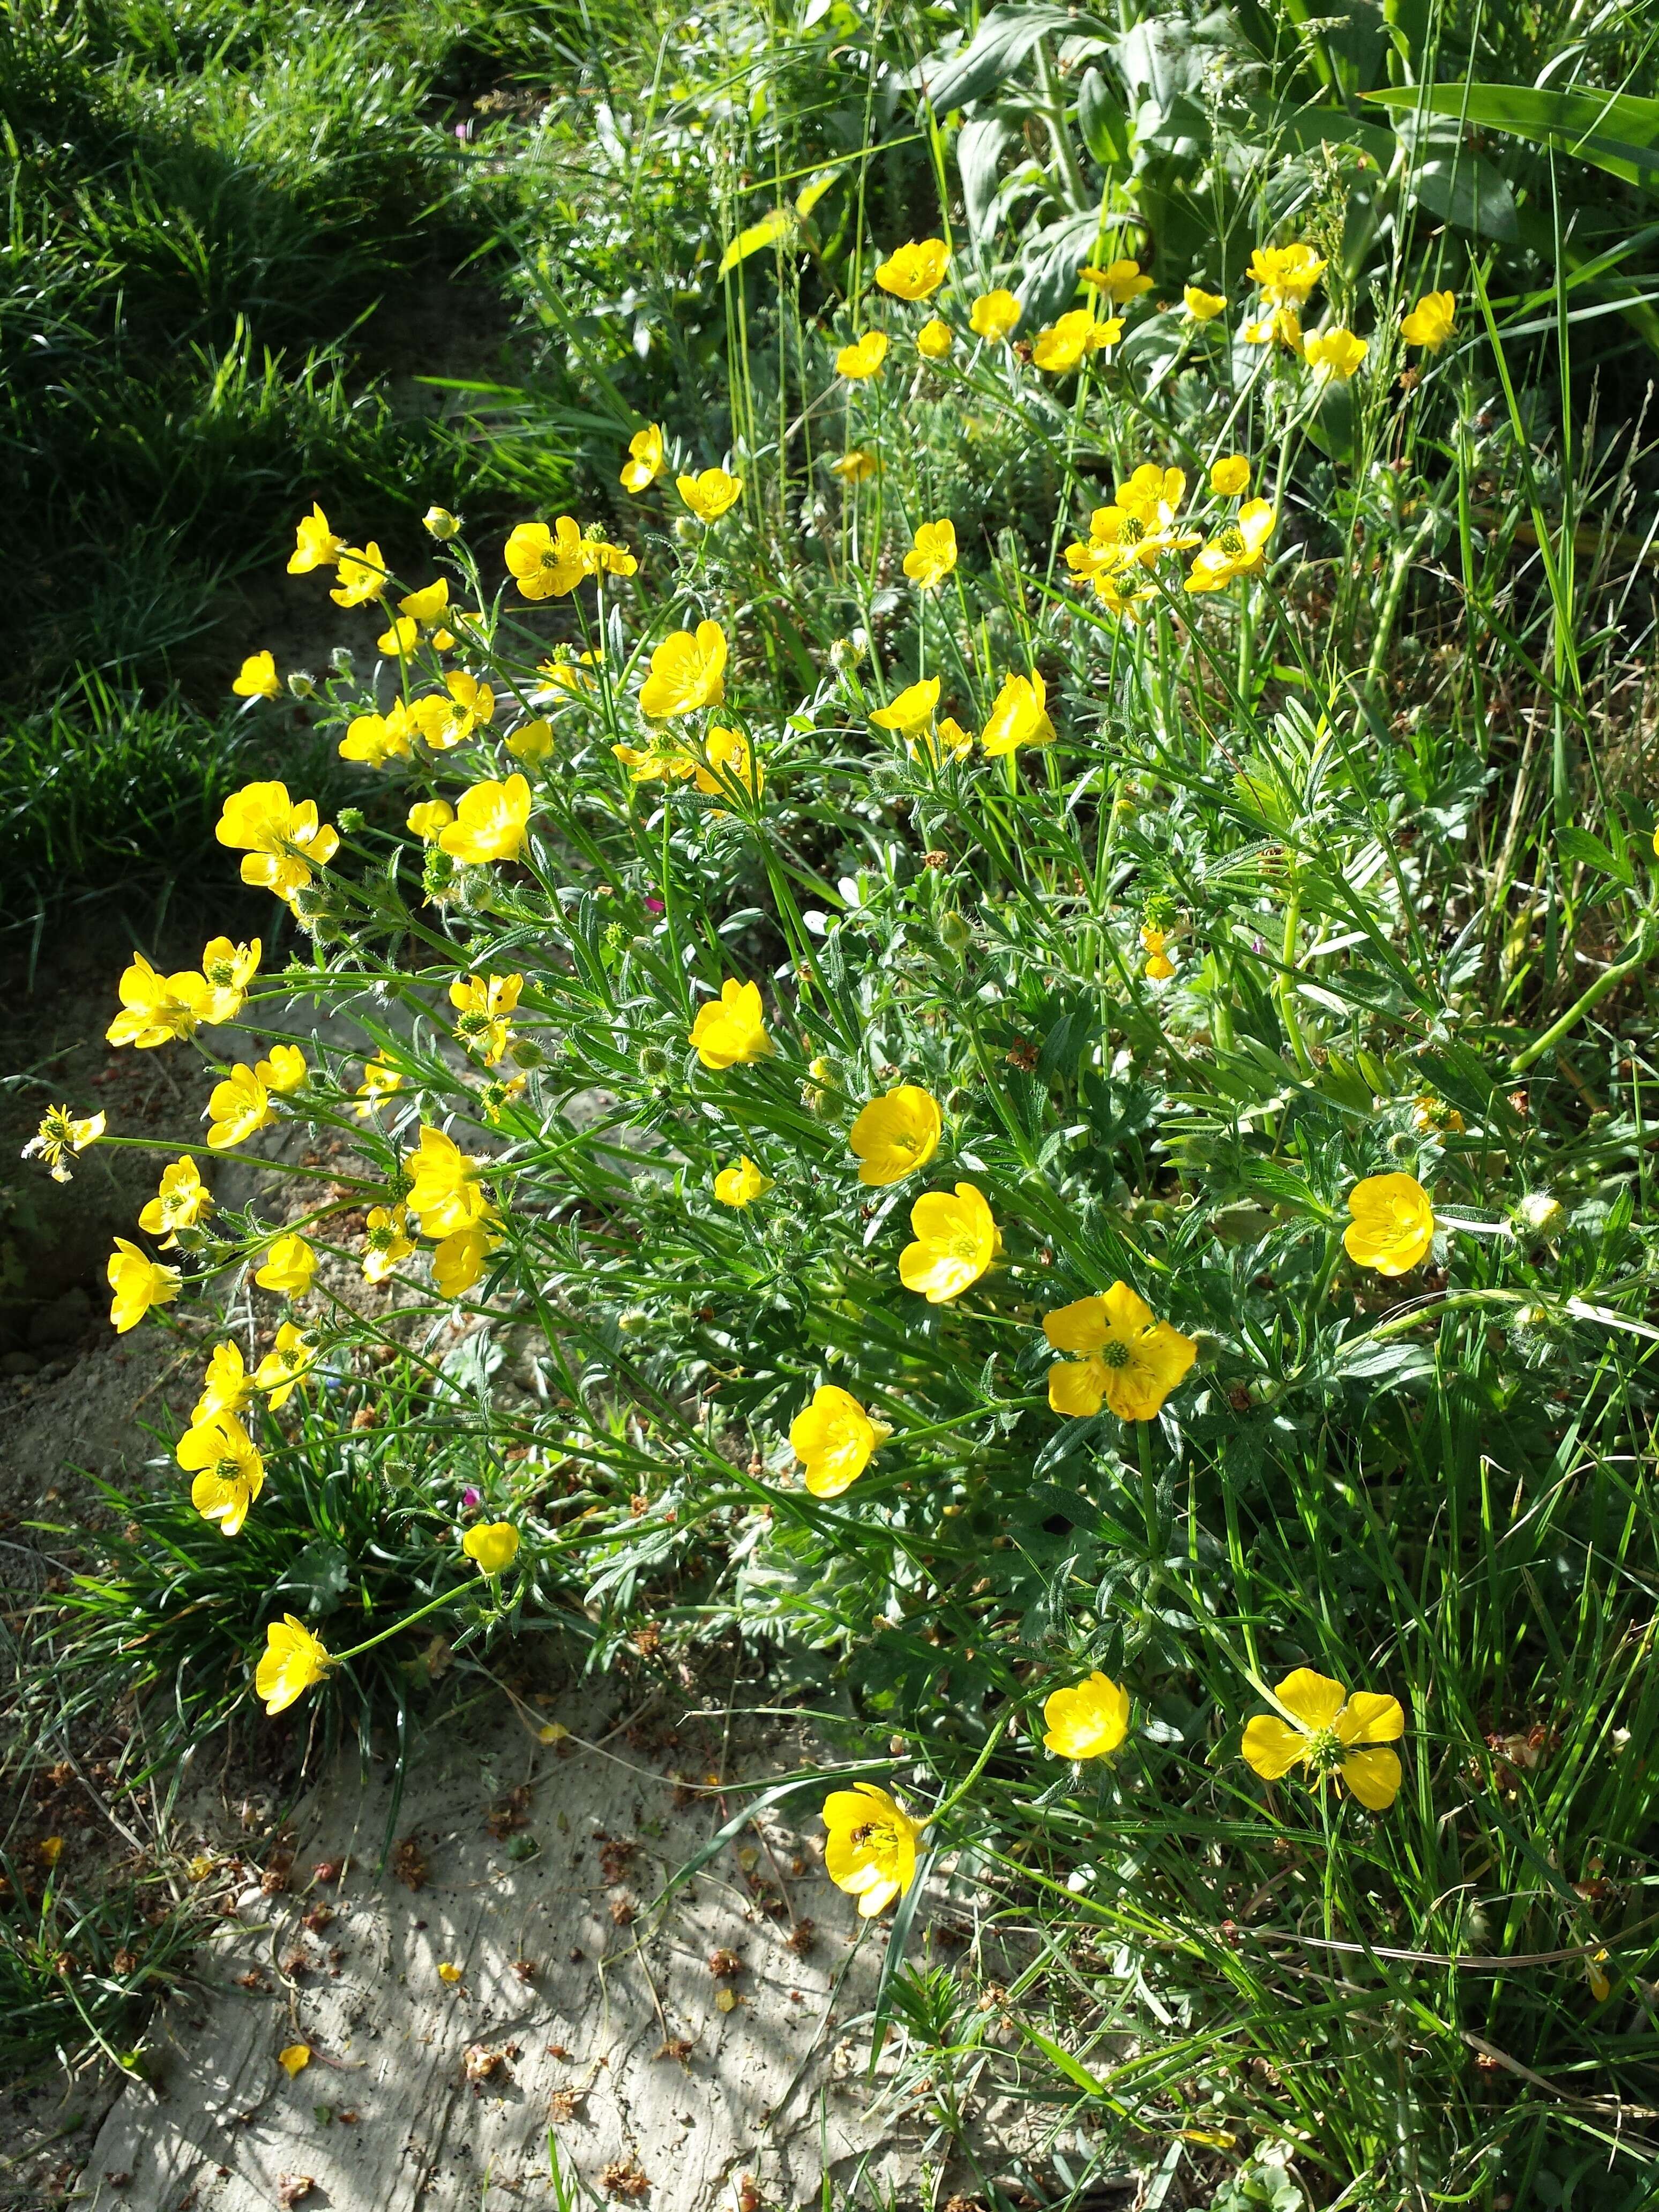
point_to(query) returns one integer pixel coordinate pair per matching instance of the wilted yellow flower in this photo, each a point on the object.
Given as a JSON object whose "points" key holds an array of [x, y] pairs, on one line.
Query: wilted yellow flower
{"points": [[912, 709], [1432, 321], [1088, 1721], [835, 1439], [687, 672], [1281, 323], [1393, 1223], [646, 459], [139, 1283], [459, 1259], [489, 822], [932, 554], [957, 1241], [1336, 354], [1428, 1112], [895, 1135], [386, 1241], [315, 545], [857, 466], [282, 1369], [282, 842], [227, 1386], [1230, 475], [257, 678], [1330, 1733], [663, 760], [1130, 1360], [446, 1191], [863, 358], [1203, 307], [492, 1545], [59, 1133], [450, 717], [729, 762], [289, 1266], [380, 1080], [1121, 280], [427, 817], [741, 1185], [156, 1009], [227, 970], [485, 1004], [1019, 716], [913, 272], [363, 574], [1239, 549], [1286, 274], [730, 1031], [934, 339], [285, 1070], [1065, 345], [229, 1468], [448, 1972], [709, 494], [994, 315], [237, 1107], [293, 1661], [871, 1850], [440, 524], [373, 739], [182, 1200]]}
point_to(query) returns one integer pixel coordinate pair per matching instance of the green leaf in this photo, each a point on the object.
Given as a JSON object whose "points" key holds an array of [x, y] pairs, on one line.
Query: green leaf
{"points": [[1617, 132], [1579, 846], [1001, 43], [780, 223], [1073, 2069]]}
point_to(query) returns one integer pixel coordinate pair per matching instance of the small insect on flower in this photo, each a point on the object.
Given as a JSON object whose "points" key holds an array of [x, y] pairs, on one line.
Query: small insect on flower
{"points": [[835, 1439], [871, 1851], [181, 1201], [914, 271], [1203, 307], [1128, 1359], [257, 678], [293, 1661], [863, 358], [710, 494], [492, 1545], [934, 339], [1329, 1732], [1431, 322], [730, 1031], [933, 554], [647, 459], [994, 316], [742, 1185], [1121, 280], [688, 670], [895, 1135], [1019, 716], [59, 1133], [289, 1266], [491, 822], [139, 1283], [1393, 1223], [957, 1241], [1335, 354], [1088, 1721], [229, 1468]]}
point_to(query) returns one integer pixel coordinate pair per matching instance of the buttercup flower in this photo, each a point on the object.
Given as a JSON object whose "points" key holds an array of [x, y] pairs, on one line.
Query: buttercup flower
{"points": [[1065, 345], [663, 760], [895, 1135], [257, 678], [1203, 307], [857, 466], [687, 671], [934, 339], [374, 739], [282, 842], [947, 740], [154, 1009], [1336, 354], [281, 1370], [284, 1071], [485, 1003], [227, 970], [237, 1107], [386, 1241], [1283, 323], [449, 717], [227, 1387], [1431, 322], [546, 564], [423, 613], [1230, 475], [427, 817], [1330, 1732], [438, 522], [1239, 549], [994, 315], [646, 459], [1089, 1721], [1019, 716], [913, 272], [1393, 1223], [59, 1133], [912, 709], [315, 545], [863, 358], [492, 1545], [531, 742], [835, 1439], [1143, 522], [957, 1241], [710, 494], [489, 822], [741, 1185], [1130, 1360], [229, 1470], [182, 1200], [1286, 274], [289, 1266], [1160, 967], [363, 575], [871, 1851], [446, 1193], [730, 1031], [294, 1662], [139, 1283], [933, 554], [1121, 280], [459, 1259], [380, 1080], [729, 762]]}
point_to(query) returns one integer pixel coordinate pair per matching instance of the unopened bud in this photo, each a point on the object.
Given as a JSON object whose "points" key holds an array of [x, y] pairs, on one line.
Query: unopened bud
{"points": [[1540, 1215], [524, 1052], [301, 685], [440, 524], [636, 1318], [653, 1061], [686, 532], [954, 934], [350, 820], [342, 662]]}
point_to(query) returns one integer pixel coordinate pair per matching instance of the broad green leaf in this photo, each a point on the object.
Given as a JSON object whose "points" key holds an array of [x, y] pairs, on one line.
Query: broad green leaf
{"points": [[780, 223], [1001, 43], [979, 147], [1617, 132]]}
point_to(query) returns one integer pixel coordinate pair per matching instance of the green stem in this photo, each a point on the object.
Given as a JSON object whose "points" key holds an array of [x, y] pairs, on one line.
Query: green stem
{"points": [[1575, 1013], [973, 1775]]}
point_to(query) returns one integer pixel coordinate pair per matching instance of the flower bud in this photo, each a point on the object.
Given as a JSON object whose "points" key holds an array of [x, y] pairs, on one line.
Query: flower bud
{"points": [[686, 532], [954, 934], [440, 524], [1540, 1215], [524, 1052], [342, 661], [301, 685], [652, 1061], [636, 1318], [350, 820]]}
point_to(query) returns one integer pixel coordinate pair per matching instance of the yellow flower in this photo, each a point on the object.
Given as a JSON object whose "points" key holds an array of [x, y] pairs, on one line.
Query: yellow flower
{"points": [[428, 816], [1203, 307], [227, 970], [687, 671], [1335, 353], [139, 1283], [484, 1003], [1330, 1733], [957, 1241], [933, 554], [835, 1440], [1430, 1113], [1286, 274], [1393, 1223], [282, 842], [913, 272], [1281, 323], [1142, 521], [948, 741], [446, 1193], [1019, 716], [60, 1132], [857, 466], [438, 522], [912, 709], [237, 1107], [709, 494], [289, 1266], [1121, 280], [531, 742], [660, 761], [1230, 475], [863, 358], [156, 1009], [1432, 321], [1101, 565], [315, 545], [1129, 1360], [385, 1241], [730, 1031], [934, 339], [459, 1259], [1160, 967], [257, 678], [1089, 1721], [445, 721], [227, 1386], [293, 1661], [646, 459], [895, 1135], [282, 1369], [284, 1071], [1239, 549], [871, 1851], [741, 1185], [994, 315], [546, 564], [363, 575], [229, 1471], [182, 1200], [490, 822], [374, 739], [1065, 345], [729, 762], [492, 1545], [380, 1080]]}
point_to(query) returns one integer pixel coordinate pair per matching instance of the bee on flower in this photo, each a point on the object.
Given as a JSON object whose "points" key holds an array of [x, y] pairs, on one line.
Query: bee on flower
{"points": [[870, 1848]]}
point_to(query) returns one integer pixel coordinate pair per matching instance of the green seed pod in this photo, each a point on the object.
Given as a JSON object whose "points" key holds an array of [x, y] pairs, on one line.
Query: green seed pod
{"points": [[954, 933], [653, 1061]]}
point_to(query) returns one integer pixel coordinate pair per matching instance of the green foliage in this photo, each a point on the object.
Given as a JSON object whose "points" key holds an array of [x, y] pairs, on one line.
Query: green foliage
{"points": [[82, 1974]]}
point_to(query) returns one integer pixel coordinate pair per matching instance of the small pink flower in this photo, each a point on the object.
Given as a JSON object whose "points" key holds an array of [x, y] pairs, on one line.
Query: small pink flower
{"points": [[472, 1499], [654, 906]]}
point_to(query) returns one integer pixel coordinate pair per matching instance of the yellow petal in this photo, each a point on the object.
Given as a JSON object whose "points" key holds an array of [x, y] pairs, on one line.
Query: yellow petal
{"points": [[1373, 1777], [1314, 1700], [1081, 1327], [1369, 1716], [1272, 1746], [1076, 1388]]}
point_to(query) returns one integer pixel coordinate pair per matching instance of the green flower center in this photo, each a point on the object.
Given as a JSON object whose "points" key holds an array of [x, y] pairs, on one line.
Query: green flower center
{"points": [[1326, 1751], [1114, 1353]]}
